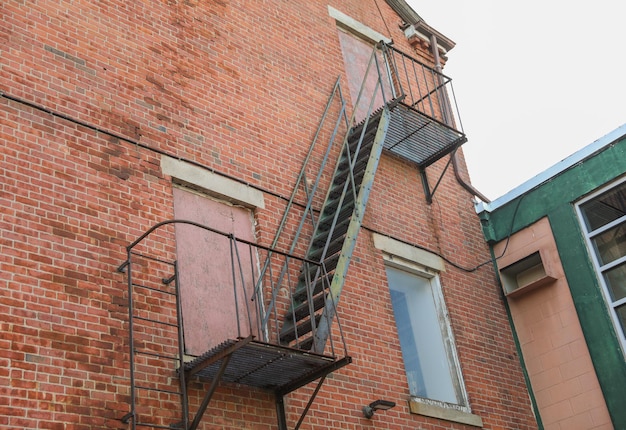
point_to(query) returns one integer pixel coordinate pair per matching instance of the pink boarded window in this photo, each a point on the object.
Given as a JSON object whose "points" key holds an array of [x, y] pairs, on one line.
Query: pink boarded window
{"points": [[215, 299]]}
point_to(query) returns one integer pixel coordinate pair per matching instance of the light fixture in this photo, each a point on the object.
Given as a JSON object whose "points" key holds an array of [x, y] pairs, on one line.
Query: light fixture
{"points": [[377, 405]]}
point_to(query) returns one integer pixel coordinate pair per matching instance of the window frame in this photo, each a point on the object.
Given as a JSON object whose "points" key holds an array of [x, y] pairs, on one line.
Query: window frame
{"points": [[447, 335], [599, 268]]}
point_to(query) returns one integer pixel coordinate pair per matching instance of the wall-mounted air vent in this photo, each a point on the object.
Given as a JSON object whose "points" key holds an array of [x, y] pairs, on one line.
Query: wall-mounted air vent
{"points": [[525, 275]]}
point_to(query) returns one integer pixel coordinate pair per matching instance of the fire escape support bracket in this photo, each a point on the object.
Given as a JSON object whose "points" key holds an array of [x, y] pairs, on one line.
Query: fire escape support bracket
{"points": [[310, 402], [427, 191], [280, 407], [320, 376], [224, 356]]}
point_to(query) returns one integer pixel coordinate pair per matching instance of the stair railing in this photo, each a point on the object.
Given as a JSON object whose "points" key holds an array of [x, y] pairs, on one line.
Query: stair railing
{"points": [[336, 96], [424, 88], [378, 70]]}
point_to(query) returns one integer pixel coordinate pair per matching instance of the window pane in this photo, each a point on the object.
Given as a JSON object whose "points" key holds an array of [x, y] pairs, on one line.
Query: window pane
{"points": [[616, 281], [605, 208], [407, 343], [421, 337], [611, 244]]}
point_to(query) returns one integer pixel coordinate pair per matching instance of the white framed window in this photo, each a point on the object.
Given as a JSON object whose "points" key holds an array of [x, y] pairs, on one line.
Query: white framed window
{"points": [[426, 340], [603, 218], [431, 362]]}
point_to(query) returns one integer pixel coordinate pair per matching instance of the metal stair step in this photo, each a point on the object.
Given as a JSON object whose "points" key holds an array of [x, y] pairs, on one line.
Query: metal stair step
{"points": [[342, 175], [366, 145], [306, 344], [343, 167], [300, 293], [353, 144], [328, 212], [372, 123], [329, 263], [302, 310], [334, 244], [324, 227], [333, 203], [321, 237], [289, 330], [336, 189]]}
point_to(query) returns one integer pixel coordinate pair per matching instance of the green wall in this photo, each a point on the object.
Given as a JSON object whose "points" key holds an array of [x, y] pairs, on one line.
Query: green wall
{"points": [[555, 199]]}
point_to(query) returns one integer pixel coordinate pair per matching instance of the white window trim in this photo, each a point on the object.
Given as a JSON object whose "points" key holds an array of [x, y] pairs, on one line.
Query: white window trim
{"points": [[601, 268], [423, 263], [355, 27], [212, 183]]}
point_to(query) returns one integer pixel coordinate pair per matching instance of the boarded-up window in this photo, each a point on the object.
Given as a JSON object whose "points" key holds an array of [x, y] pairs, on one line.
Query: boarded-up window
{"points": [[215, 295], [356, 57]]}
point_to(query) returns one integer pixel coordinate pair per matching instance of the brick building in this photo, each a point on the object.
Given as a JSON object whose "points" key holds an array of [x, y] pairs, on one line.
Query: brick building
{"points": [[220, 214]]}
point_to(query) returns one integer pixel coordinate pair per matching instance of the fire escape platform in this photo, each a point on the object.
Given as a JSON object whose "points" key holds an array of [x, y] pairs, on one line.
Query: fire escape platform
{"points": [[419, 138], [258, 364]]}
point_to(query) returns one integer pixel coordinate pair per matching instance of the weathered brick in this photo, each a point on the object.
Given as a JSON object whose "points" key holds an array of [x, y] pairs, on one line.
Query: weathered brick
{"points": [[239, 88]]}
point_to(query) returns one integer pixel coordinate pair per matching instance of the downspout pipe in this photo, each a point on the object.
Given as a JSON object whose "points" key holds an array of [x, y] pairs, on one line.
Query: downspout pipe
{"points": [[455, 162]]}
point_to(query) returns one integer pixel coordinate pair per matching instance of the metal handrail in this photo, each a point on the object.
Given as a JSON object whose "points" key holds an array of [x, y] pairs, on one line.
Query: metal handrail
{"points": [[271, 280], [426, 90]]}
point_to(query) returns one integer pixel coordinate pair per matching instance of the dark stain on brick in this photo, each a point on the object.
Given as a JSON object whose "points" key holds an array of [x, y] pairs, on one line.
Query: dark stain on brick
{"points": [[156, 82], [123, 173]]}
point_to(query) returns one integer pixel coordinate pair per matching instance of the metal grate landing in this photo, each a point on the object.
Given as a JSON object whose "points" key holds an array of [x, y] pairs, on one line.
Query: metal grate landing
{"points": [[420, 138], [258, 364]]}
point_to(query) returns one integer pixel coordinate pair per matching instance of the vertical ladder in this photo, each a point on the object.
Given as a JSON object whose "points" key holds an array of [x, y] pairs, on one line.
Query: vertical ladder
{"points": [[334, 238], [157, 279]]}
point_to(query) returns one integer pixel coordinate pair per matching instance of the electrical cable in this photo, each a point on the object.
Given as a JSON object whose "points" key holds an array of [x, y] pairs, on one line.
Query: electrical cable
{"points": [[272, 193], [508, 237], [447, 260], [438, 254]]}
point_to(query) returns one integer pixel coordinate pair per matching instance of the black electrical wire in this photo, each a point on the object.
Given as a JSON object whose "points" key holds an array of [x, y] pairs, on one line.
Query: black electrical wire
{"points": [[272, 193], [383, 18], [447, 260], [438, 254], [508, 237]]}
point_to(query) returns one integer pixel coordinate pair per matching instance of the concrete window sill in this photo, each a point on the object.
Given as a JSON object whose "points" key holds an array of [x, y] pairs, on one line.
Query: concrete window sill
{"points": [[445, 413]]}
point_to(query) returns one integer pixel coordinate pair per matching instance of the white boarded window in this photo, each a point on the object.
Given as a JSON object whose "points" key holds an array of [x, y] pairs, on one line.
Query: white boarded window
{"points": [[210, 295]]}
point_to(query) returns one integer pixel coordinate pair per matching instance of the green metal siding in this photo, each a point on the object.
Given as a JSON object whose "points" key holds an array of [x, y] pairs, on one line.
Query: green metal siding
{"points": [[555, 199]]}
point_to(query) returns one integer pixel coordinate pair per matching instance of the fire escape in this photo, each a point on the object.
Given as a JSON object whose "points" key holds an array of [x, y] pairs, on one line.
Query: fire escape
{"points": [[291, 335]]}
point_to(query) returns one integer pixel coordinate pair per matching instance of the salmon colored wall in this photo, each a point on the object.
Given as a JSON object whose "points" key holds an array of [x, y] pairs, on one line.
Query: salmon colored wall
{"points": [[557, 360]]}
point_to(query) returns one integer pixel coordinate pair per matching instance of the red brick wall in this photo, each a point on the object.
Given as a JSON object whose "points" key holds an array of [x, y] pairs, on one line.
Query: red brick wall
{"points": [[237, 87]]}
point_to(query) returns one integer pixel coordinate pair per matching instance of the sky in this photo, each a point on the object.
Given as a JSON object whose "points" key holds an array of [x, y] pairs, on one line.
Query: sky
{"points": [[535, 81]]}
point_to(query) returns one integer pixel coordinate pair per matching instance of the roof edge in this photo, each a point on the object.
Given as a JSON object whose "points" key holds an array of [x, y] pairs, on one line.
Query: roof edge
{"points": [[551, 172]]}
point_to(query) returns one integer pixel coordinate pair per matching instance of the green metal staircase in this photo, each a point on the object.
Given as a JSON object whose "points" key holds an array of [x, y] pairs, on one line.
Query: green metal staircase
{"points": [[307, 321], [409, 114]]}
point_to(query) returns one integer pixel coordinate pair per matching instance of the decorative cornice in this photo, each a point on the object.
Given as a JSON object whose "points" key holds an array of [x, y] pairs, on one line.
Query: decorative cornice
{"points": [[416, 29]]}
